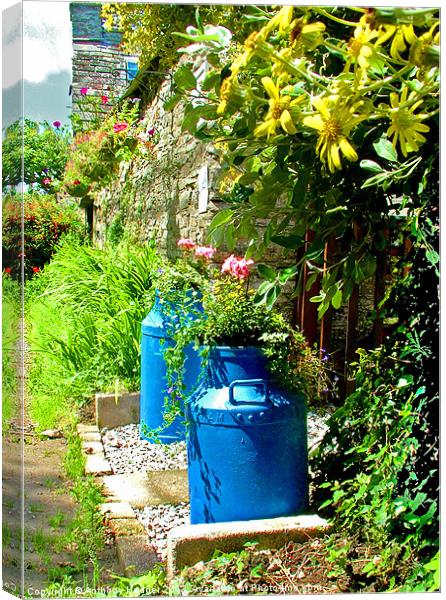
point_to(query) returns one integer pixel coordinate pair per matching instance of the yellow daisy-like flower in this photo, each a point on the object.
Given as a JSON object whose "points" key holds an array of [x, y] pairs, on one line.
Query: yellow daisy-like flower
{"points": [[360, 47], [305, 35], [282, 19], [334, 121], [231, 94], [406, 127], [425, 52], [279, 111], [402, 35]]}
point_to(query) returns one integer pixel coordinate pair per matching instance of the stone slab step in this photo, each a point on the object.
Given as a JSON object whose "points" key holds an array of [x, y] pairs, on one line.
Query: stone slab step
{"points": [[147, 489], [189, 544], [117, 510], [135, 555], [93, 447], [96, 464], [84, 428]]}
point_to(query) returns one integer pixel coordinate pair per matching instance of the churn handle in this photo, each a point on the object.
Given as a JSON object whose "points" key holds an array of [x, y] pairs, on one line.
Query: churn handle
{"points": [[247, 383]]}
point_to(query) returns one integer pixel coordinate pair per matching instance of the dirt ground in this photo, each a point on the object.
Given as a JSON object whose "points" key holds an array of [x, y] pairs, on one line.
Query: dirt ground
{"points": [[36, 500]]}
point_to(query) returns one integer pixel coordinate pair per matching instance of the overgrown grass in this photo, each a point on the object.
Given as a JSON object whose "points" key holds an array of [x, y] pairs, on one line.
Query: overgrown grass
{"points": [[10, 340], [84, 314]]}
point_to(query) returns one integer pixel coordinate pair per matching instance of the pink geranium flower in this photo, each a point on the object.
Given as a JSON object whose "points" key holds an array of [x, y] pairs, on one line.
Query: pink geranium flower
{"points": [[36, 269], [84, 91], [236, 266], [47, 181], [117, 127], [56, 124], [206, 252], [104, 99], [186, 244]]}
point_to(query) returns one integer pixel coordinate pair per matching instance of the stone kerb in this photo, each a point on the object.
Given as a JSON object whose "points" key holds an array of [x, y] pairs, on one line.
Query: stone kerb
{"points": [[116, 410]]}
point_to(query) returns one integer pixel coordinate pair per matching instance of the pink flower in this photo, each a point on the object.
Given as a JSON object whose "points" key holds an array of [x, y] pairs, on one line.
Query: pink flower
{"points": [[117, 127], [205, 252], [84, 91], [186, 244], [151, 131], [56, 124], [36, 269], [236, 266], [47, 181], [104, 99]]}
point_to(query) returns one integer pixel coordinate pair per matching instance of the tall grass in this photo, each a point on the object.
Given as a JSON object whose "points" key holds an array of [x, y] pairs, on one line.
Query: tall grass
{"points": [[84, 316], [10, 350]]}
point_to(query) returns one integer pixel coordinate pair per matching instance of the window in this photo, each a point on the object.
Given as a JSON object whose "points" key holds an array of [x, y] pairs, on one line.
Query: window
{"points": [[132, 69]]}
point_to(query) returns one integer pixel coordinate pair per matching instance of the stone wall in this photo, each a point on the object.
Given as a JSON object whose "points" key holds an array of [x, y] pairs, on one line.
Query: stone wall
{"points": [[98, 63]]}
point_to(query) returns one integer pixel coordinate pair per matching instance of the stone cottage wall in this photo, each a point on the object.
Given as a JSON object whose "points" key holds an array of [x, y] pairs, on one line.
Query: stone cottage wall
{"points": [[98, 63]]}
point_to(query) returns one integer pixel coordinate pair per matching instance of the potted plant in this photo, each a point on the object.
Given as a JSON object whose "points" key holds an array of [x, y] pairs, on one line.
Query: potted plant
{"points": [[246, 420]]}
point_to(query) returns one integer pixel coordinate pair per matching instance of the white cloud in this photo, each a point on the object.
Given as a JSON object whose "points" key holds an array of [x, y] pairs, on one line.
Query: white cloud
{"points": [[47, 46]]}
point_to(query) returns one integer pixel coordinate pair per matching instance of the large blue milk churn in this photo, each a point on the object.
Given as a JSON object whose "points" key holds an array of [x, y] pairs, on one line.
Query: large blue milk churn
{"points": [[247, 442], [155, 335]]}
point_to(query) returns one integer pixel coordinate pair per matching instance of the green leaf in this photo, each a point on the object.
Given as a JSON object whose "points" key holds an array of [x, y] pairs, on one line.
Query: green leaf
{"points": [[222, 217], [286, 274], [266, 272], [336, 301], [171, 102], [384, 148], [185, 79], [288, 241], [370, 165]]}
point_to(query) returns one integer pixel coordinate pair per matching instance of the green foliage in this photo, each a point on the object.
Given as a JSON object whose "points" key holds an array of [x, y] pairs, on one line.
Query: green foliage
{"points": [[41, 226], [148, 28], [206, 308], [379, 460], [314, 117], [84, 317], [10, 350], [44, 151]]}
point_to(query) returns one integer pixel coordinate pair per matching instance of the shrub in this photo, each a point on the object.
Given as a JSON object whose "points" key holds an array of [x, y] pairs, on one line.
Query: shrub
{"points": [[10, 350], [85, 312], [45, 220]]}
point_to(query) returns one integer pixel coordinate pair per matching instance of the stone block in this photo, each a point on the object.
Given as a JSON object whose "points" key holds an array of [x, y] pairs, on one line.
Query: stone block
{"points": [[90, 436], [117, 510], [135, 555], [112, 411], [93, 447], [148, 489], [189, 544], [126, 527], [96, 464], [83, 428]]}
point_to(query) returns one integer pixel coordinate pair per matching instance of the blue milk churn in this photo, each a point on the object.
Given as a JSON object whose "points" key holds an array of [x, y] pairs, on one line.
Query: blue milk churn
{"points": [[246, 443], [154, 375]]}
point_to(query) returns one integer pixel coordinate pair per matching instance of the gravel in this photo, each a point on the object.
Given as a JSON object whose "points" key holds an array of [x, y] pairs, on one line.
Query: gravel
{"points": [[127, 453], [159, 520]]}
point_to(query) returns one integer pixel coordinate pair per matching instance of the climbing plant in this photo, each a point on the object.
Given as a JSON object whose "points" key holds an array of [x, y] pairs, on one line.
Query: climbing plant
{"points": [[326, 121], [322, 119]]}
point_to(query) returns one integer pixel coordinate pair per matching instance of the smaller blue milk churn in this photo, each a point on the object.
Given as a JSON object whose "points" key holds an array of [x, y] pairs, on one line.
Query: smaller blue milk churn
{"points": [[246, 443], [155, 337]]}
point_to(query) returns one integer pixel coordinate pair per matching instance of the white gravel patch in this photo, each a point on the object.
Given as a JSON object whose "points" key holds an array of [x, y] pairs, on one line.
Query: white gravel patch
{"points": [[127, 453], [159, 520]]}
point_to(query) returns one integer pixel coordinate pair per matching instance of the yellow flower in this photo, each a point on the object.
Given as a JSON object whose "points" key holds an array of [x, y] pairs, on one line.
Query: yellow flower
{"points": [[360, 48], [401, 34], [425, 52], [334, 121], [306, 35], [282, 19], [406, 127], [279, 111], [231, 94]]}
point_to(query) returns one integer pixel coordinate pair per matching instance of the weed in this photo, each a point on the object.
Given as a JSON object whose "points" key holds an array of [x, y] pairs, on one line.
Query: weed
{"points": [[57, 520], [9, 504], [35, 507], [41, 541], [6, 534]]}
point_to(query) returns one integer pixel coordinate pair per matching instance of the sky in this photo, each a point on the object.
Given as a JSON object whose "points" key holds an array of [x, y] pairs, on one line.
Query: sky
{"points": [[47, 51]]}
